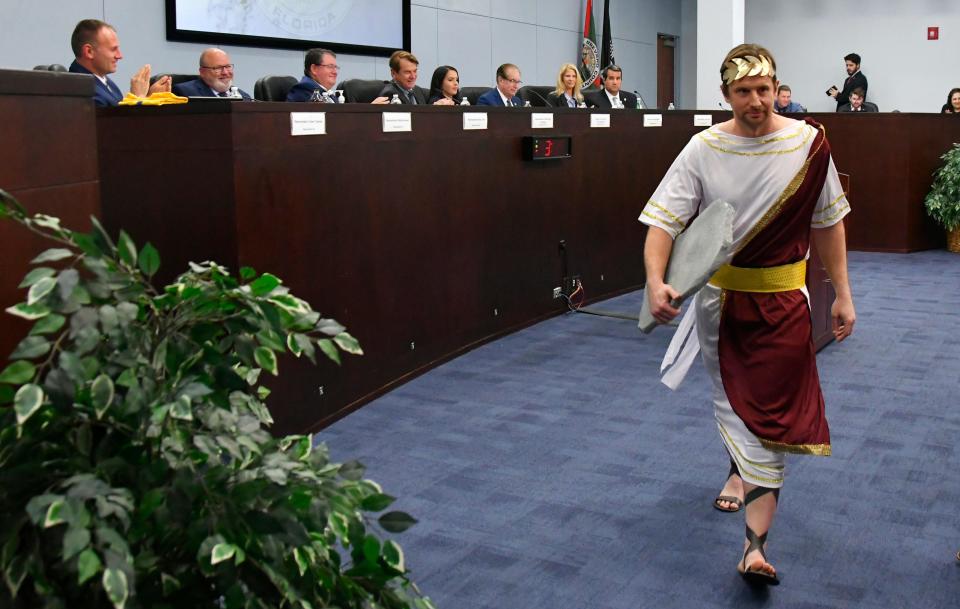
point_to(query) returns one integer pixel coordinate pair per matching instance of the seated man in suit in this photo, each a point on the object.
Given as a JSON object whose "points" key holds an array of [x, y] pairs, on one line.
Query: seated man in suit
{"points": [[403, 83], [782, 104], [320, 71], [857, 104], [611, 96], [505, 93], [216, 78], [96, 51]]}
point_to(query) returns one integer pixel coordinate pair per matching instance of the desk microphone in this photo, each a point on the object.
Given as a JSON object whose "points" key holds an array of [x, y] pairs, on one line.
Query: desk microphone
{"points": [[542, 98], [640, 97]]}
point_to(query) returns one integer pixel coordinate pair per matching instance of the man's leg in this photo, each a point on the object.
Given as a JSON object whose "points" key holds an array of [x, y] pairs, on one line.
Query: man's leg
{"points": [[760, 506]]}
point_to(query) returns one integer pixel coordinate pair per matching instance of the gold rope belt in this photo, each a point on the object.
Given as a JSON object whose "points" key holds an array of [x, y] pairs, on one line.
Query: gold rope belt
{"points": [[771, 279]]}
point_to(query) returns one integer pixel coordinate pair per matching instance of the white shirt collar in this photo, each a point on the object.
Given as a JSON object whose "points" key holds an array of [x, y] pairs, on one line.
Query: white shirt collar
{"points": [[612, 97], [506, 100]]}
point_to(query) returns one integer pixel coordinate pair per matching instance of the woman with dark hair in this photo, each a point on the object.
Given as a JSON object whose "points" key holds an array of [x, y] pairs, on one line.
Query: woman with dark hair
{"points": [[445, 87], [953, 102], [567, 94]]}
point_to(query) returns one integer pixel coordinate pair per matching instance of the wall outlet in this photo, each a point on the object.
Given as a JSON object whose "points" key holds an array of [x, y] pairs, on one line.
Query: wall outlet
{"points": [[570, 284], [557, 292]]}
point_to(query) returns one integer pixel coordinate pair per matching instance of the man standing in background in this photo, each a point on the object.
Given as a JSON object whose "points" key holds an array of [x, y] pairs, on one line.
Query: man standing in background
{"points": [[855, 80]]}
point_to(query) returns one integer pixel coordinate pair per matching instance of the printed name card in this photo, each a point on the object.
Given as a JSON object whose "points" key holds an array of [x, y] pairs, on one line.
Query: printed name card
{"points": [[702, 120], [308, 123], [474, 120], [394, 122], [599, 120], [541, 120], [653, 120]]}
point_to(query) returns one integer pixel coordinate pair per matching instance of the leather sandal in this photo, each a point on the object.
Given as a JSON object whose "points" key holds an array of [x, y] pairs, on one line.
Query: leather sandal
{"points": [[756, 542], [736, 501]]}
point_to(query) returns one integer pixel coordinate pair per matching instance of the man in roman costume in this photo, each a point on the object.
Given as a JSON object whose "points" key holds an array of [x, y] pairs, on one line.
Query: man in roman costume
{"points": [[753, 318]]}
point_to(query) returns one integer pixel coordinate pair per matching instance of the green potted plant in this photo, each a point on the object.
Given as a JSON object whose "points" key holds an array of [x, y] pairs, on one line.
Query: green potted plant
{"points": [[943, 200], [135, 461]]}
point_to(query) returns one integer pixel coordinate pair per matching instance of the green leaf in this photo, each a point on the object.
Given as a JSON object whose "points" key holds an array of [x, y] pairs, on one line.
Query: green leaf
{"points": [[247, 273], [396, 522], [149, 260], [348, 343], [101, 394], [41, 272], [377, 503], [127, 378], [265, 284], [74, 541], [28, 399], [293, 345], [28, 312], [54, 515], [181, 409], [169, 583], [31, 347], [40, 289], [86, 243], [52, 255], [352, 470], [127, 249], [47, 222], [330, 327], [18, 372], [6, 394], [329, 349], [393, 555], [266, 359], [302, 560], [115, 585], [88, 565], [15, 573], [222, 552], [66, 282], [48, 325], [371, 548]]}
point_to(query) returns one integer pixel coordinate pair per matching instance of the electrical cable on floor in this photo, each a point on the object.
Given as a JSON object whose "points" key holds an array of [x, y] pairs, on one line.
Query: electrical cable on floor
{"points": [[578, 307]]}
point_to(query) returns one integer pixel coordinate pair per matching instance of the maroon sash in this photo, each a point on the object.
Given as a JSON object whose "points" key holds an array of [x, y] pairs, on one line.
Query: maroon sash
{"points": [[765, 347]]}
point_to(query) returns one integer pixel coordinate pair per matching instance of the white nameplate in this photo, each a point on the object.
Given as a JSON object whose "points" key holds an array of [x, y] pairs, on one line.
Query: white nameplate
{"points": [[541, 120], [308, 123], [474, 120], [599, 120], [397, 121], [702, 120], [653, 120]]}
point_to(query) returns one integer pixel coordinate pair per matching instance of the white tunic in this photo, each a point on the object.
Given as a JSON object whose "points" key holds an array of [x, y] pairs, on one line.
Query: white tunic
{"points": [[752, 174]]}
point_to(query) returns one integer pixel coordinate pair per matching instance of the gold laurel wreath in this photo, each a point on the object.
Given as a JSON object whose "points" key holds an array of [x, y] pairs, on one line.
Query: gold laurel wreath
{"points": [[741, 67]]}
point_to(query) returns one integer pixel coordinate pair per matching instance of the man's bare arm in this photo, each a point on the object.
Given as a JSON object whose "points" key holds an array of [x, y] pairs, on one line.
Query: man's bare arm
{"points": [[656, 254], [831, 244]]}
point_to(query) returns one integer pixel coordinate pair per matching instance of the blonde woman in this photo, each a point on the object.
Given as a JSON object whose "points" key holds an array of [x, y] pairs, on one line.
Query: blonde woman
{"points": [[567, 94]]}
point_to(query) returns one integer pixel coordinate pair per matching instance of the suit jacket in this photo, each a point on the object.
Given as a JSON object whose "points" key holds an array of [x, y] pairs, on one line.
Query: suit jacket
{"points": [[867, 107], [104, 94], [303, 90], [558, 101], [492, 98], [858, 80], [198, 88], [391, 88], [599, 99]]}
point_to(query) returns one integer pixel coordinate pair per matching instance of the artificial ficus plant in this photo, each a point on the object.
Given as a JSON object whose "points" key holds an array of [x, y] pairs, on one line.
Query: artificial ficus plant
{"points": [[135, 464]]}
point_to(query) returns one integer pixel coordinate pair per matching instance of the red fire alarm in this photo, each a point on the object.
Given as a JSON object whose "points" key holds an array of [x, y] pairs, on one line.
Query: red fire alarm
{"points": [[933, 33]]}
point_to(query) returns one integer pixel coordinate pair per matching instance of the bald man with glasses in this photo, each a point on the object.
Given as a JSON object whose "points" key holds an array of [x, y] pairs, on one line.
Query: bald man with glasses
{"points": [[216, 78], [320, 72]]}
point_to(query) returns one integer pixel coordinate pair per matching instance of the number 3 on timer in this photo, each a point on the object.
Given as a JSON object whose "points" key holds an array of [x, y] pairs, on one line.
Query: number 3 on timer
{"points": [[548, 148]]}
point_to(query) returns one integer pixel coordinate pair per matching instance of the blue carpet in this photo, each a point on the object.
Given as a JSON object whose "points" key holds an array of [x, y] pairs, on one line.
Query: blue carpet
{"points": [[550, 469]]}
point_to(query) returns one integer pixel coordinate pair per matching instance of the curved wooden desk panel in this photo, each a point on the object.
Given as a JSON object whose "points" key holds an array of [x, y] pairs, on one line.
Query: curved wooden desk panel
{"points": [[425, 243]]}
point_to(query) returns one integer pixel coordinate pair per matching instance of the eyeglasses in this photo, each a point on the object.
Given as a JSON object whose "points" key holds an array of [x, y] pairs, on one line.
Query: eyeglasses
{"points": [[513, 81], [220, 69], [332, 66]]}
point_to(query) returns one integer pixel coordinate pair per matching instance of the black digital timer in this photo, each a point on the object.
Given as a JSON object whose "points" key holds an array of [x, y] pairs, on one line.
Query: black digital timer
{"points": [[547, 147]]}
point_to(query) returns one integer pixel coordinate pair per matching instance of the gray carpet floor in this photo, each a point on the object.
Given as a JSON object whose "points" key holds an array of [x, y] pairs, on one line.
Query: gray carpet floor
{"points": [[550, 469]]}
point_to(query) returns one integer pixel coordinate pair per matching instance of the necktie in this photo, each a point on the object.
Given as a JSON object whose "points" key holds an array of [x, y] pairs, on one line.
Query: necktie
{"points": [[411, 98], [572, 103]]}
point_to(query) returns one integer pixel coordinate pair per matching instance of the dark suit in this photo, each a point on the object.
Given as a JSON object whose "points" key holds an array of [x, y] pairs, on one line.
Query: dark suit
{"points": [[858, 80], [493, 98], [559, 101], [198, 88], [104, 94], [392, 88], [599, 99], [866, 107], [303, 90]]}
